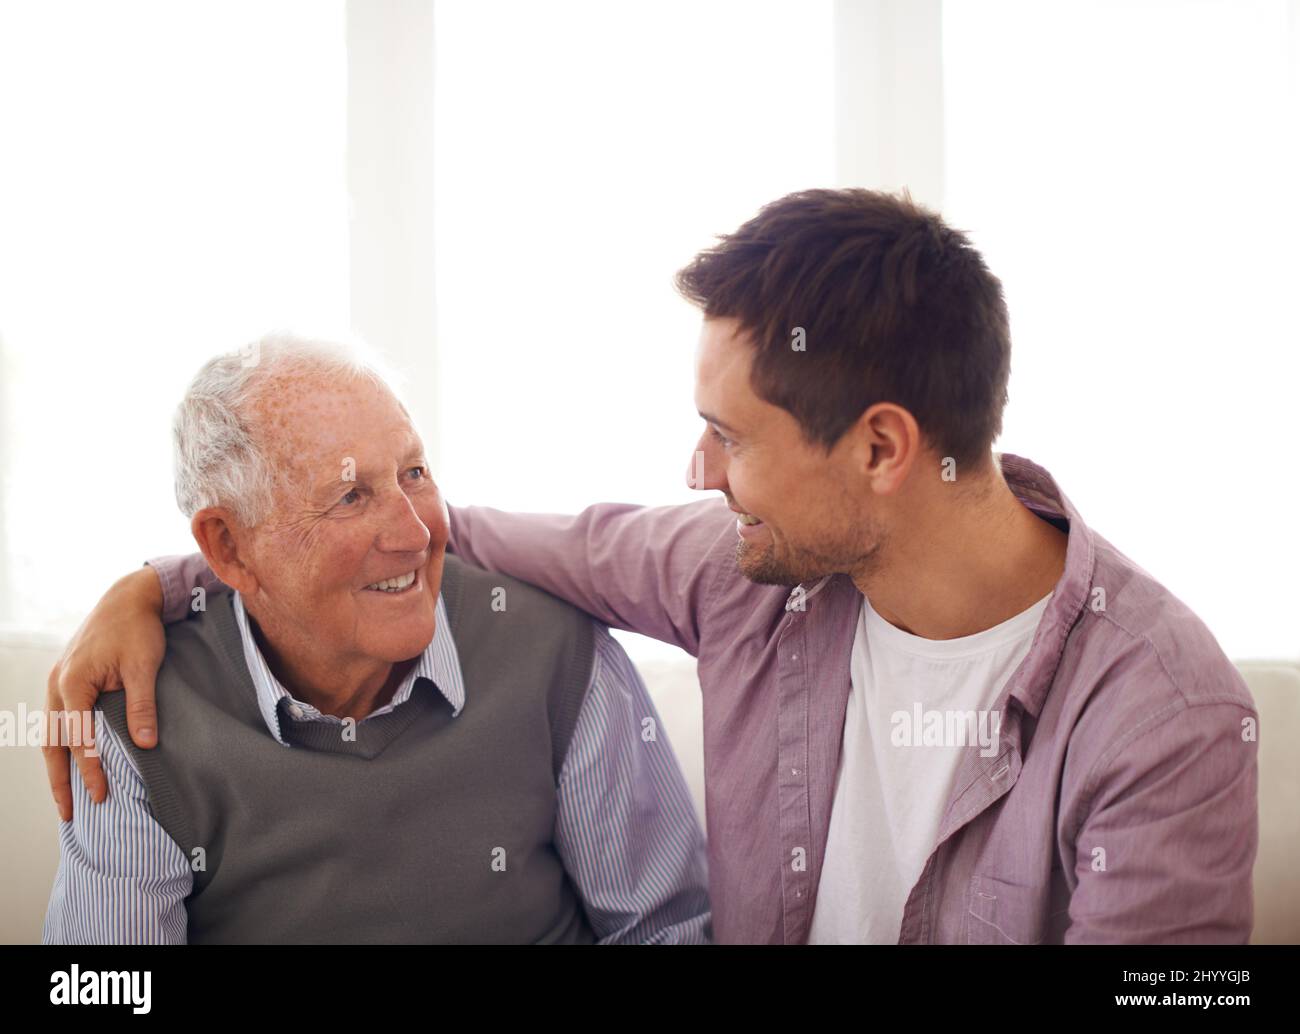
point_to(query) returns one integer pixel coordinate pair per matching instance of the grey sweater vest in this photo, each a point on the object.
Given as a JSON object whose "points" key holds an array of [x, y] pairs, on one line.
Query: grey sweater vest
{"points": [[427, 828]]}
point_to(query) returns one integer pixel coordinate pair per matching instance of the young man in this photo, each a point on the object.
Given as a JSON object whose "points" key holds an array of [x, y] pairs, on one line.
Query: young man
{"points": [[937, 706]]}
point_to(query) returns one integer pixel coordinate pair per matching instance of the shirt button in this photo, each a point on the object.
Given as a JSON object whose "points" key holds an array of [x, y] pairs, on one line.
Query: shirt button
{"points": [[296, 711], [794, 657], [794, 771]]}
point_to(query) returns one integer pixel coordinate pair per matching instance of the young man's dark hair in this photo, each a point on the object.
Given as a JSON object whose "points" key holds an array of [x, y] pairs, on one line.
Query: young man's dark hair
{"points": [[895, 306]]}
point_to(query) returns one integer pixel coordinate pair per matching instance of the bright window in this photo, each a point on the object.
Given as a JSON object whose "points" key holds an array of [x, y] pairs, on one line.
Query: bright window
{"points": [[1129, 170], [583, 156], [172, 183]]}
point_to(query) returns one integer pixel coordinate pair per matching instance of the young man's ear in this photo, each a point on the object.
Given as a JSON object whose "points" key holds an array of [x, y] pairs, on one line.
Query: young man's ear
{"points": [[213, 531], [888, 443]]}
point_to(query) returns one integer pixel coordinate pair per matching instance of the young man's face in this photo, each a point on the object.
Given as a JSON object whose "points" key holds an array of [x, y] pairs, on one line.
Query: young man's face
{"points": [[813, 510]]}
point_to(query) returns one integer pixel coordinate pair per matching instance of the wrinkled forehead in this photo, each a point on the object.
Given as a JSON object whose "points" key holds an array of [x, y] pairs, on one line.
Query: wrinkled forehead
{"points": [[309, 425]]}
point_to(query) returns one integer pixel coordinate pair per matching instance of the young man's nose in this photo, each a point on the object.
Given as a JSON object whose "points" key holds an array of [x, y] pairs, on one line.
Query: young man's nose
{"points": [[706, 470]]}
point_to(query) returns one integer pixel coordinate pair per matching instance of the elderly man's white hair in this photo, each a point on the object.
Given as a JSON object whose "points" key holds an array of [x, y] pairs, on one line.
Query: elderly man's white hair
{"points": [[218, 460]]}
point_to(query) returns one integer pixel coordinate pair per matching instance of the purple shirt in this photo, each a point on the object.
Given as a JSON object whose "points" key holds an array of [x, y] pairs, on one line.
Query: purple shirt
{"points": [[1120, 807]]}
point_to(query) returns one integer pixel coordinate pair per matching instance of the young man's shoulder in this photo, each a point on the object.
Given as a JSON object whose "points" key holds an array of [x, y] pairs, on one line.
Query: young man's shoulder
{"points": [[1142, 674], [1140, 623]]}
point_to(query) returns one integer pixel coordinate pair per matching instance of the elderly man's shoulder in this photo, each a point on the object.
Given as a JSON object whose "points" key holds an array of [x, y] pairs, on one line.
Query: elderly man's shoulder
{"points": [[469, 590], [205, 642]]}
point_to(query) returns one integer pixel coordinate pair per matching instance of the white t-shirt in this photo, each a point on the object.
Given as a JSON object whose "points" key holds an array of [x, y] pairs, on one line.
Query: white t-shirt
{"points": [[908, 720]]}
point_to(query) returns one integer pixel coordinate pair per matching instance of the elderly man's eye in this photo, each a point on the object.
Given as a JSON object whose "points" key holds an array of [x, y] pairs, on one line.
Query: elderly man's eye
{"points": [[419, 471], [351, 497]]}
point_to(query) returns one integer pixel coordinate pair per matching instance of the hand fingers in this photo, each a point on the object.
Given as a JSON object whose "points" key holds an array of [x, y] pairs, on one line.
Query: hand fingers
{"points": [[77, 732], [141, 715], [57, 769], [92, 772], [55, 754]]}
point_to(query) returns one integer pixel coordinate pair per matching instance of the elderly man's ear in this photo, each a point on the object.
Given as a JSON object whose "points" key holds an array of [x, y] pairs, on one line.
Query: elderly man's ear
{"points": [[212, 528]]}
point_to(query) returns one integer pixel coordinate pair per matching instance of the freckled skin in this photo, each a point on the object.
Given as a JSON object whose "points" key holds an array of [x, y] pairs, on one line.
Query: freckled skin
{"points": [[338, 644]]}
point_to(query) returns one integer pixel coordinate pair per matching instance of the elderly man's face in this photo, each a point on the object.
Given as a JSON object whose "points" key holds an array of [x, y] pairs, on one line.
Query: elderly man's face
{"points": [[358, 509]]}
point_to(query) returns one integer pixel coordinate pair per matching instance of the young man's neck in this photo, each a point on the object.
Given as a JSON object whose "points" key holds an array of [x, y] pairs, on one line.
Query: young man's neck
{"points": [[968, 562]]}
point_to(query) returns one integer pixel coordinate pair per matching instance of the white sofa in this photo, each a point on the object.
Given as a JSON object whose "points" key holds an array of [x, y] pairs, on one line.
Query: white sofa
{"points": [[29, 847]]}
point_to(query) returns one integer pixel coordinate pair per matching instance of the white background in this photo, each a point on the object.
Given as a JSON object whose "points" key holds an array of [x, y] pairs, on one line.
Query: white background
{"points": [[498, 194]]}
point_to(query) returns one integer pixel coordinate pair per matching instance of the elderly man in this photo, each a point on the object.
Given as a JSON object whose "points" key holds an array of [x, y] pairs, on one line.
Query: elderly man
{"points": [[366, 740]]}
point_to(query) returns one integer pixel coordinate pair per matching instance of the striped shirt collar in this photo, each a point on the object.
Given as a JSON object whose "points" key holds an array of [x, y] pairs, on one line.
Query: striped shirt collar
{"points": [[440, 664]]}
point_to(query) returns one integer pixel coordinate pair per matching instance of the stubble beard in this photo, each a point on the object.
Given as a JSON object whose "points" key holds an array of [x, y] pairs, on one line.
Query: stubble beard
{"points": [[763, 566]]}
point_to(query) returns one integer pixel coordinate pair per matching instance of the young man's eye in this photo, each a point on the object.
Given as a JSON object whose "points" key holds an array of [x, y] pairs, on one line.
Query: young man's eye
{"points": [[724, 442]]}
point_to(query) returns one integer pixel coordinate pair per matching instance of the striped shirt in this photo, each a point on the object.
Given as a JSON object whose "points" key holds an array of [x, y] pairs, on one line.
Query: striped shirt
{"points": [[123, 880]]}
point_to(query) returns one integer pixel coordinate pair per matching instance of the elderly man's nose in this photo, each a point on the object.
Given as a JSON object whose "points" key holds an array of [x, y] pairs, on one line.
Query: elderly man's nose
{"points": [[404, 531]]}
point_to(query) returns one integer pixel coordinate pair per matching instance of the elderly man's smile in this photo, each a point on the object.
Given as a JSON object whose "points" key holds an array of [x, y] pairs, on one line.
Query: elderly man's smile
{"points": [[399, 586]]}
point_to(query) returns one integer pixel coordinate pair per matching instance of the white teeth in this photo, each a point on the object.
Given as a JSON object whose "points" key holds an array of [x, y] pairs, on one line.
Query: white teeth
{"points": [[749, 518], [394, 584]]}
